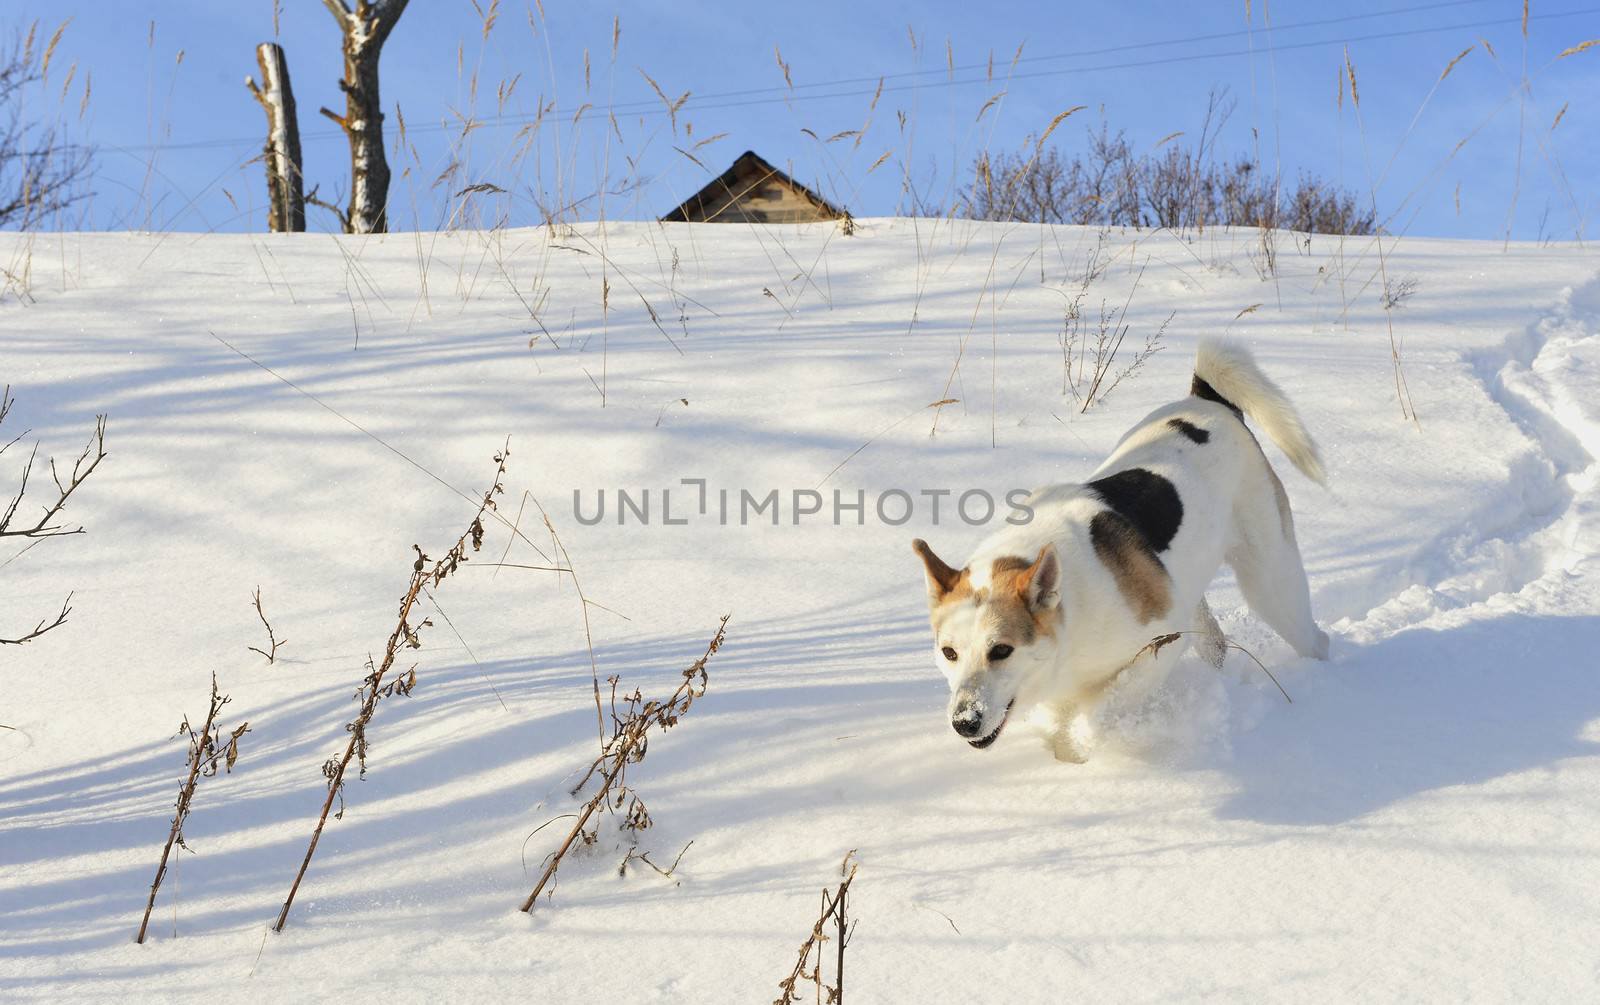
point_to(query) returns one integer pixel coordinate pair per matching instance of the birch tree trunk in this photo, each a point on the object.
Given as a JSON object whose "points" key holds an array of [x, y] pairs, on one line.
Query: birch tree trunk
{"points": [[365, 30], [286, 202]]}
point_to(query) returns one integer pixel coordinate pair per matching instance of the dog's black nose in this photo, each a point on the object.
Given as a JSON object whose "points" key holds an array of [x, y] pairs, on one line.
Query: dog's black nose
{"points": [[967, 719], [969, 727]]}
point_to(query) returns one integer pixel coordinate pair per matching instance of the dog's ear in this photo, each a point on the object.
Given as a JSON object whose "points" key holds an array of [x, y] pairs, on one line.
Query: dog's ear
{"points": [[941, 578], [1042, 581]]}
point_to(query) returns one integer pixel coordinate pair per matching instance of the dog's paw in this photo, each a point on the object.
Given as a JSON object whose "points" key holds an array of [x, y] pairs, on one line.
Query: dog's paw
{"points": [[1066, 747]]}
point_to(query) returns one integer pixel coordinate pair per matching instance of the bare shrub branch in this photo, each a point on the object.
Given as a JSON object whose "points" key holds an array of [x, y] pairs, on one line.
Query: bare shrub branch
{"points": [[1174, 186], [634, 853], [1397, 291], [313, 200]]}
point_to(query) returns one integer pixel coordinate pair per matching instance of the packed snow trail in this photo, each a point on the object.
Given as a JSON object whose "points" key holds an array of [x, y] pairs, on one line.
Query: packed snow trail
{"points": [[1547, 378]]}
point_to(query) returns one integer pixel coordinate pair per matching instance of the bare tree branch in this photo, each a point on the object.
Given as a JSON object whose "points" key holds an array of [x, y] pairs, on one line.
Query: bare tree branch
{"points": [[81, 469], [311, 199], [41, 627], [45, 527]]}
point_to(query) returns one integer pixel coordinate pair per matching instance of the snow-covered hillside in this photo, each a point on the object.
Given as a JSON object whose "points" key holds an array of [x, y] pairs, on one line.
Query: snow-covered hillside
{"points": [[1422, 822]]}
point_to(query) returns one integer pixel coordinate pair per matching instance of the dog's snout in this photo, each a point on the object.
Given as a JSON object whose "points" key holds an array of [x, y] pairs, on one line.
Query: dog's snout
{"points": [[967, 718]]}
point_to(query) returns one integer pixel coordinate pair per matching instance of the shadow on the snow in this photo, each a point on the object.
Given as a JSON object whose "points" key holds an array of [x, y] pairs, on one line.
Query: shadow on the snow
{"points": [[1421, 711]]}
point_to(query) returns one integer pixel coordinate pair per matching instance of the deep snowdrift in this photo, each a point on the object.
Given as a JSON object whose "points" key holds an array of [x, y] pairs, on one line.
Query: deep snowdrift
{"points": [[1421, 821]]}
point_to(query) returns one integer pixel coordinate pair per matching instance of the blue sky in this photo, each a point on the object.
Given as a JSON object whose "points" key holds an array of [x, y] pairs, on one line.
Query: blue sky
{"points": [[175, 137]]}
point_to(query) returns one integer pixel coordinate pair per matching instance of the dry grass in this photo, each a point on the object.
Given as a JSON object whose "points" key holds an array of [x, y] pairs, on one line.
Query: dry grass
{"points": [[1402, 391]]}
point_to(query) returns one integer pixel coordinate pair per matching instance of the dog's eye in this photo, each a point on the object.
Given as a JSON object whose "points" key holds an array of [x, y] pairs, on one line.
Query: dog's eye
{"points": [[949, 654], [998, 653]]}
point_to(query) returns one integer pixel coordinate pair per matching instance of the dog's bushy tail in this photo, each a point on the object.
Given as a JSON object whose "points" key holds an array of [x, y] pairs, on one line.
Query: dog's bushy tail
{"points": [[1227, 370]]}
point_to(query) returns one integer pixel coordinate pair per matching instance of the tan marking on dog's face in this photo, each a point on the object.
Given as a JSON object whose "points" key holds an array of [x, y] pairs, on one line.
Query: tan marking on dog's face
{"points": [[1004, 602], [1007, 564], [1012, 585], [1141, 578]]}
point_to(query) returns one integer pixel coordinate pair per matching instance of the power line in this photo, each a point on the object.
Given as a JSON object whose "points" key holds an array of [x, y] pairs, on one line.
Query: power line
{"points": [[691, 106], [781, 91], [715, 101]]}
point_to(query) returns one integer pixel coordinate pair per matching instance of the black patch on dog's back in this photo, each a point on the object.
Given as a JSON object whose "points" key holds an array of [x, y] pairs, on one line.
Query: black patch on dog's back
{"points": [[1146, 500], [1200, 389], [1189, 429]]}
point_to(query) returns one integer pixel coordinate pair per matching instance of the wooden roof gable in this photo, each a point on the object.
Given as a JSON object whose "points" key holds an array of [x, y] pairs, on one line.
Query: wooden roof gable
{"points": [[754, 191]]}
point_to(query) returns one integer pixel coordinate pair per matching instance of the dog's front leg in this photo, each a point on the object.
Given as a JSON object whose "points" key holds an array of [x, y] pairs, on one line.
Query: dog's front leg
{"points": [[1212, 645], [1066, 742]]}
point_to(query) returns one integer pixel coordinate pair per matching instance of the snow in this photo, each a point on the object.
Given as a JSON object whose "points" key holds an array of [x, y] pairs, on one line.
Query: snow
{"points": [[1421, 822]]}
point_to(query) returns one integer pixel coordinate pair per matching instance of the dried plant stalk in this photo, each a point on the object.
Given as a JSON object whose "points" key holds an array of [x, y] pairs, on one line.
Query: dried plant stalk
{"points": [[834, 910], [207, 751], [1160, 642], [373, 687], [628, 743], [1095, 364], [273, 642]]}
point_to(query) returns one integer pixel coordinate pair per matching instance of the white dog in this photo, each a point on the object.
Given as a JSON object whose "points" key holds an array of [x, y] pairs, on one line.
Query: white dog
{"points": [[1048, 614]]}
